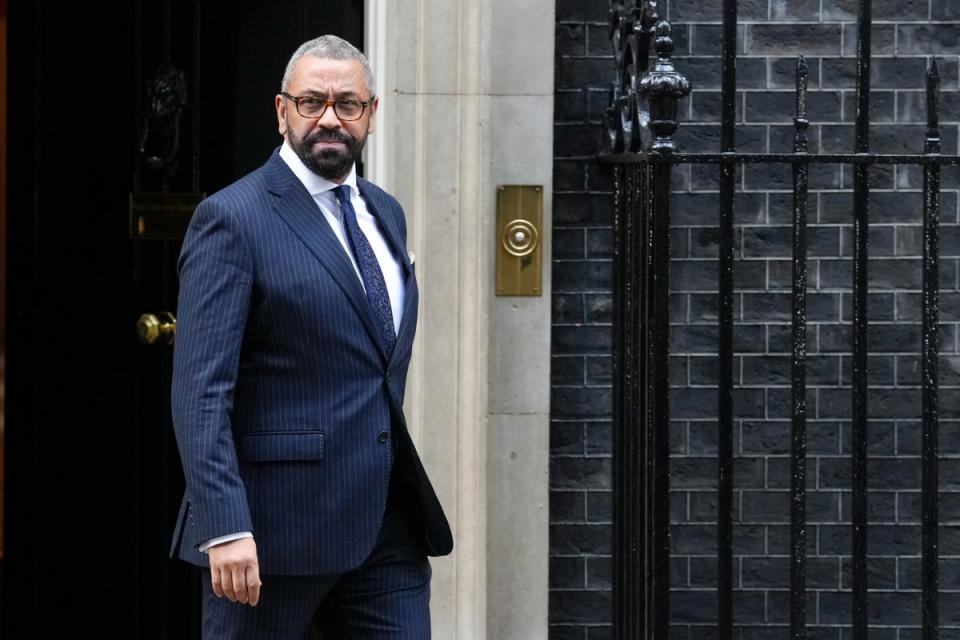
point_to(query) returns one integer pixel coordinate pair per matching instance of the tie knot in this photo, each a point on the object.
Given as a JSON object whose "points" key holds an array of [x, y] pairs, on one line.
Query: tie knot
{"points": [[342, 191]]}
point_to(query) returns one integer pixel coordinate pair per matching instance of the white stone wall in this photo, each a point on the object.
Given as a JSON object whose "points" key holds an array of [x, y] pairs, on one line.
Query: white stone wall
{"points": [[466, 93]]}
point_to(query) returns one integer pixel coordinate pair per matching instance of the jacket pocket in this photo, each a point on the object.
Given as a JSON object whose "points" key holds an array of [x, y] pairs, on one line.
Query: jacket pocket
{"points": [[279, 446]]}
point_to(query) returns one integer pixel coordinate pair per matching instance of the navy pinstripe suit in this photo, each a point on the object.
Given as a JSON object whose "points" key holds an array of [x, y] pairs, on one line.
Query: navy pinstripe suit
{"points": [[284, 401]]}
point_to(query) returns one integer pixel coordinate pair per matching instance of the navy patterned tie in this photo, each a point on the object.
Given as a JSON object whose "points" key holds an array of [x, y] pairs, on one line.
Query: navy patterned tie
{"points": [[377, 294]]}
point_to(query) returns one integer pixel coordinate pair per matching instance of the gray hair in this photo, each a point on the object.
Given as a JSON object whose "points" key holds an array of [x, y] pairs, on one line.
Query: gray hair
{"points": [[332, 48]]}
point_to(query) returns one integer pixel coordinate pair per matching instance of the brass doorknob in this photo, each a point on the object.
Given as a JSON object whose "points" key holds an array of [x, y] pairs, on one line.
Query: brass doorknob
{"points": [[153, 329]]}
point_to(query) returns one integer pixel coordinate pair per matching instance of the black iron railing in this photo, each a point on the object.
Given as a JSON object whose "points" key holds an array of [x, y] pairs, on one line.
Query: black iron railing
{"points": [[641, 122]]}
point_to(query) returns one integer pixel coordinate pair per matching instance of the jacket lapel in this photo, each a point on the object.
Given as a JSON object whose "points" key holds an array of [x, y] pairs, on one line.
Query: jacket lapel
{"points": [[409, 320], [299, 210]]}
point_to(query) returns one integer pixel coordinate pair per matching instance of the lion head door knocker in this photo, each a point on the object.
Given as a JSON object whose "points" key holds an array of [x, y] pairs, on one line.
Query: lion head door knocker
{"points": [[160, 137]]}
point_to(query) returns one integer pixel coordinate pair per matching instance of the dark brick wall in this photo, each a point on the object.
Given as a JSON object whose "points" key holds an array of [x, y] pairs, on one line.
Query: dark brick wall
{"points": [[771, 35]]}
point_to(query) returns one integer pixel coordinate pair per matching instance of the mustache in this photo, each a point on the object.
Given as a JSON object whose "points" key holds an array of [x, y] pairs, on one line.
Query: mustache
{"points": [[329, 135]]}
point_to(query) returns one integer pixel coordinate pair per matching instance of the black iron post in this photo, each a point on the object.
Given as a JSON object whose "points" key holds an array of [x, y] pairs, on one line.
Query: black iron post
{"points": [[642, 119]]}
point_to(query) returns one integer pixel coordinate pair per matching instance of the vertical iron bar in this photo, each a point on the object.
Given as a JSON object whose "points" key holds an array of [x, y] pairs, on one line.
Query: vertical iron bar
{"points": [[861, 191], [628, 406], [646, 464], [798, 476], [661, 404], [621, 541], [725, 400], [928, 365]]}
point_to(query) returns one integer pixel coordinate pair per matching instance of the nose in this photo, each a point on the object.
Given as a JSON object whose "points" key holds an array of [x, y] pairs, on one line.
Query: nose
{"points": [[329, 119]]}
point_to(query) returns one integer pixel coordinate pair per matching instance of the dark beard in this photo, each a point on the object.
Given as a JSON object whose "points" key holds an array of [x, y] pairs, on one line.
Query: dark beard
{"points": [[329, 163]]}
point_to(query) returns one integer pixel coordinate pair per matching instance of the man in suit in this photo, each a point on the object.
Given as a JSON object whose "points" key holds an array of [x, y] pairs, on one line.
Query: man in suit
{"points": [[296, 318]]}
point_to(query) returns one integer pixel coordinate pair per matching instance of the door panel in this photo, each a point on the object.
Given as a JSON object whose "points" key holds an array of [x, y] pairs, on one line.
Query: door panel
{"points": [[92, 475]]}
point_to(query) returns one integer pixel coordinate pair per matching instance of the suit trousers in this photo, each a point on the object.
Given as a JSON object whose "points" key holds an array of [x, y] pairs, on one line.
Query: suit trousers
{"points": [[387, 597]]}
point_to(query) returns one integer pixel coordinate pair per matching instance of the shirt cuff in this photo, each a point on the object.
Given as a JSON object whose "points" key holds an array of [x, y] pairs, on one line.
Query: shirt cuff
{"points": [[221, 539]]}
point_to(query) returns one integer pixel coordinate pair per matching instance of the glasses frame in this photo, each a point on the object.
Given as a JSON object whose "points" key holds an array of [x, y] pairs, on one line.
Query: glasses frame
{"points": [[327, 103]]}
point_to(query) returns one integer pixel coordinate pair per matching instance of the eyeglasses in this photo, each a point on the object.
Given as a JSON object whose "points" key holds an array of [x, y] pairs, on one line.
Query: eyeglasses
{"points": [[311, 107]]}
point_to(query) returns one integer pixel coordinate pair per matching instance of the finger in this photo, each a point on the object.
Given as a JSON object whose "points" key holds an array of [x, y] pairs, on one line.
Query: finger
{"points": [[226, 581], [215, 581], [240, 584], [253, 584]]}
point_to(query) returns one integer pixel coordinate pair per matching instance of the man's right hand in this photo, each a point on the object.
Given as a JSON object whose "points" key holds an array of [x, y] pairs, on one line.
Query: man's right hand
{"points": [[235, 572]]}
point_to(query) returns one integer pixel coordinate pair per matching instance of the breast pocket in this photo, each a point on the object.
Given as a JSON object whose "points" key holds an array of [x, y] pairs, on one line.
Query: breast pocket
{"points": [[281, 446]]}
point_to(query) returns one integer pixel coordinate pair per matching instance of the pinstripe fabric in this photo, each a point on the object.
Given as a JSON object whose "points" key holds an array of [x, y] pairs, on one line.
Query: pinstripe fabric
{"points": [[387, 597], [284, 401]]}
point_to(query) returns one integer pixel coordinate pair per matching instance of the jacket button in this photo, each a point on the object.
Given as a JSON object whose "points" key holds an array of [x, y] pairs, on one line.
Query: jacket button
{"points": [[384, 436]]}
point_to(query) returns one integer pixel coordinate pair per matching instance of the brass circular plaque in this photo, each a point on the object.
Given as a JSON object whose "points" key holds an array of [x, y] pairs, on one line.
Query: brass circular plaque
{"points": [[519, 238]]}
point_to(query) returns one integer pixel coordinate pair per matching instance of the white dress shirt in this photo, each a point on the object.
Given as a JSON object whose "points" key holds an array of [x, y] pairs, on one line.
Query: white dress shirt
{"points": [[322, 191]]}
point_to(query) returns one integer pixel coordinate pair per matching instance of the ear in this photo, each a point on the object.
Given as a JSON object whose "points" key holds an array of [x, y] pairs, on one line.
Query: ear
{"points": [[281, 105], [372, 120]]}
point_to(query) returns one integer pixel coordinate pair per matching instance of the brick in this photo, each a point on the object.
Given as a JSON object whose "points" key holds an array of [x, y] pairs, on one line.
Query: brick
{"points": [[882, 107], [567, 573], [708, 39], [574, 73], [598, 100], [599, 573], [580, 11], [571, 40], [600, 507], [693, 539], [600, 632], [581, 340], [706, 138], [759, 370], [693, 606], [568, 175], [928, 39], [693, 338], [599, 177], [703, 572], [779, 106], [572, 403], [944, 10], [600, 243], [787, 10], [598, 308], [568, 243], [572, 276], [703, 506], [566, 632], [570, 105], [566, 437], [599, 438], [702, 438], [566, 370], [781, 39], [571, 140], [582, 209], [839, 10], [567, 506], [783, 72], [765, 573], [579, 606], [883, 39], [705, 72], [576, 539], [580, 473], [567, 308]]}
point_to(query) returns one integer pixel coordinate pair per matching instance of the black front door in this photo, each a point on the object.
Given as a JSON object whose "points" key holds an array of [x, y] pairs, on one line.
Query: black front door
{"points": [[106, 101]]}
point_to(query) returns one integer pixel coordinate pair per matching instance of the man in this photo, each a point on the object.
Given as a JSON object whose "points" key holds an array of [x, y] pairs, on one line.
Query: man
{"points": [[296, 317]]}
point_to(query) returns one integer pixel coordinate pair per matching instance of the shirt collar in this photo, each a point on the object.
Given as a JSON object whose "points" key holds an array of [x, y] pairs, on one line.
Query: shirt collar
{"points": [[314, 184]]}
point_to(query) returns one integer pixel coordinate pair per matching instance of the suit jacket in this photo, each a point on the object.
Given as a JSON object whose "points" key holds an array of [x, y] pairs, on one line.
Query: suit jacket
{"points": [[284, 400]]}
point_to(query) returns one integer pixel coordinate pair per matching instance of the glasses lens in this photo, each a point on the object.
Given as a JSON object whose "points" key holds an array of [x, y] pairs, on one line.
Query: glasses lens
{"points": [[310, 107], [349, 109]]}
